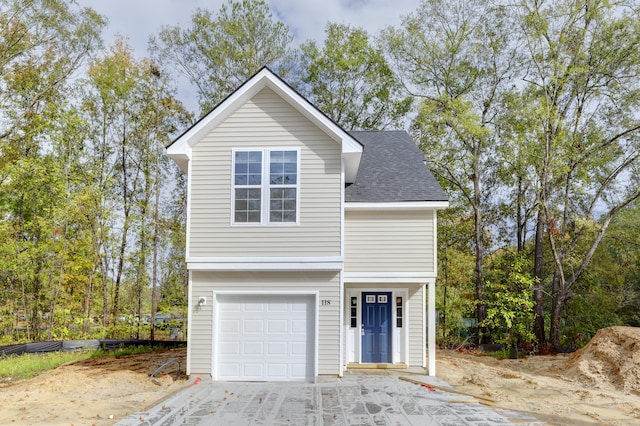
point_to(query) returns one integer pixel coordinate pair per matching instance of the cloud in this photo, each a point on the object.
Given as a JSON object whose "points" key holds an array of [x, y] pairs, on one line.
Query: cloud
{"points": [[138, 19]]}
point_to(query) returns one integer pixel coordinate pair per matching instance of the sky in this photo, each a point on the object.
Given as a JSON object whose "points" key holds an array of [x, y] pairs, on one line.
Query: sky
{"points": [[306, 19], [136, 20]]}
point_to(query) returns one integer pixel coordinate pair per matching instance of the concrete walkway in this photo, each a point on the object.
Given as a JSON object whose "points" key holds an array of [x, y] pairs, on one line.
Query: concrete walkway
{"points": [[350, 400]]}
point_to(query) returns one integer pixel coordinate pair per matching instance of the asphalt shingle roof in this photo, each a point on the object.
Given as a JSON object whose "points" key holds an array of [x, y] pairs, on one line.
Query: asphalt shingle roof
{"points": [[392, 169]]}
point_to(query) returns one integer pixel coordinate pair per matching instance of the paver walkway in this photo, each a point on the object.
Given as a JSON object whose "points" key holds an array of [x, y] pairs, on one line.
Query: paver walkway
{"points": [[350, 400]]}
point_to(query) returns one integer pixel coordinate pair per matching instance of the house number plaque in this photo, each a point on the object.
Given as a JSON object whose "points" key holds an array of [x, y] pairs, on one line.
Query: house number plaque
{"points": [[325, 302]]}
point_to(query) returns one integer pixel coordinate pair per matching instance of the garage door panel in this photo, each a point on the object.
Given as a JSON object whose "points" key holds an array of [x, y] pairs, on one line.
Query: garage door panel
{"points": [[230, 326], [278, 348], [230, 348], [253, 348], [277, 326], [253, 326], [298, 348], [275, 371], [299, 370], [253, 371], [230, 369], [278, 307], [275, 340], [299, 327], [253, 307], [230, 308]]}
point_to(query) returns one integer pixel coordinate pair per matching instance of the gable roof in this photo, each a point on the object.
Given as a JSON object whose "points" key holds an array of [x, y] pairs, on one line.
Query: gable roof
{"points": [[180, 149], [392, 170]]}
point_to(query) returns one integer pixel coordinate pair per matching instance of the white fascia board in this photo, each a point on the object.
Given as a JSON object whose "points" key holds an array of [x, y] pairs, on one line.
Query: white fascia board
{"points": [[399, 205], [330, 263], [181, 147], [388, 277]]}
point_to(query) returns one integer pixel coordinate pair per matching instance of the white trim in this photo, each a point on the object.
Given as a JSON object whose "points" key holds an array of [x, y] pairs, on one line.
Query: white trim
{"points": [[435, 243], [180, 150], [188, 211], [400, 205], [215, 321], [265, 259], [342, 303], [265, 266], [388, 277], [398, 355], [431, 338], [328, 263], [341, 334], [189, 321], [265, 186]]}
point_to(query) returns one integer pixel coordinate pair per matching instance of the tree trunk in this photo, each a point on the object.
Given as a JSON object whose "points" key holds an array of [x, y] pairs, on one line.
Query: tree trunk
{"points": [[538, 297], [479, 252], [557, 307]]}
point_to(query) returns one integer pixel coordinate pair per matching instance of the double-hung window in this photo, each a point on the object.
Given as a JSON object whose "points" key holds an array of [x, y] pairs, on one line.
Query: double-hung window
{"points": [[265, 186]]}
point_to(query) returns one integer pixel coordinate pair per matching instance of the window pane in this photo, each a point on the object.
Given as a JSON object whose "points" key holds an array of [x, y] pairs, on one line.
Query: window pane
{"points": [[254, 156], [247, 205], [248, 168], [282, 205], [290, 156], [283, 169]]}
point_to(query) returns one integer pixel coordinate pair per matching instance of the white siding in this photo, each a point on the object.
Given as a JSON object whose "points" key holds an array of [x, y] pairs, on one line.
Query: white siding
{"points": [[263, 122], [326, 283], [416, 314], [389, 241]]}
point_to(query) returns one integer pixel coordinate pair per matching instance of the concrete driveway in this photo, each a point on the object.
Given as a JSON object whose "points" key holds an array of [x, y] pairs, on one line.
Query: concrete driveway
{"points": [[351, 400]]}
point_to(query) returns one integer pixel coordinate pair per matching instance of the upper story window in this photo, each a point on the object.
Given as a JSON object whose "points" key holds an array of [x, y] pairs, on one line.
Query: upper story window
{"points": [[265, 186]]}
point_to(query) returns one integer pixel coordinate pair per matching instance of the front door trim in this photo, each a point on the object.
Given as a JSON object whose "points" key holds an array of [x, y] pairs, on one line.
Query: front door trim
{"points": [[377, 333], [400, 336]]}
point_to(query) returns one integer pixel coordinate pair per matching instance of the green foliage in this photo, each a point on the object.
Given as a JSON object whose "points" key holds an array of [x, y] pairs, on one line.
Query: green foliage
{"points": [[455, 293], [509, 300], [349, 80], [13, 368], [20, 367], [218, 52]]}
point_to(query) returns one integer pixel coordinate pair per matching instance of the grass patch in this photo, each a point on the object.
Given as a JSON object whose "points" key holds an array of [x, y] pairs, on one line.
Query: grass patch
{"points": [[19, 367], [503, 354], [25, 366]]}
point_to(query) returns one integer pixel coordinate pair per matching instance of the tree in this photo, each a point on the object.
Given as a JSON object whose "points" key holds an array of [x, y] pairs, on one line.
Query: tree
{"points": [[219, 52], [350, 81], [510, 300], [459, 59], [583, 62], [42, 45], [131, 110]]}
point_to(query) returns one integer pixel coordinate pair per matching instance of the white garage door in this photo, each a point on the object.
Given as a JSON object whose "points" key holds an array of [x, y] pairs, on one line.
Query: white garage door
{"points": [[265, 337]]}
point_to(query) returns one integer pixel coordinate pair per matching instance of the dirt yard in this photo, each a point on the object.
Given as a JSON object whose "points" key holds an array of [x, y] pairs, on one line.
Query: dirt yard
{"points": [[598, 385], [97, 391]]}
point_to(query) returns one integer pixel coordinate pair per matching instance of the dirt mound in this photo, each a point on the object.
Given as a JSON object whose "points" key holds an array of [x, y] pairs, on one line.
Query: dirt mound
{"points": [[611, 360]]}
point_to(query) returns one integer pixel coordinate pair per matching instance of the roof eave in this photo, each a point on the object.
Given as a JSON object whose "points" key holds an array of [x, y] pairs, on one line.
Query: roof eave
{"points": [[180, 149], [396, 205]]}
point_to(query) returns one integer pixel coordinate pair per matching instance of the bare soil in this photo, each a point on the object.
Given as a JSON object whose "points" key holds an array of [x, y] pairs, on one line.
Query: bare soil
{"points": [[97, 391], [599, 384]]}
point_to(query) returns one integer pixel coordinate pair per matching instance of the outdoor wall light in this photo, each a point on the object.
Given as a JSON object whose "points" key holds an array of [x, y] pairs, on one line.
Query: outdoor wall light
{"points": [[202, 301]]}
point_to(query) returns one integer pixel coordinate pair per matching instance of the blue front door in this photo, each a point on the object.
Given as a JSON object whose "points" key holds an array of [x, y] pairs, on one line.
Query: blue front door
{"points": [[376, 327]]}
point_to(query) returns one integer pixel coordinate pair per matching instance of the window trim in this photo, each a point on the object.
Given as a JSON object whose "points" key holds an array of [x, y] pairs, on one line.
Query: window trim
{"points": [[265, 187]]}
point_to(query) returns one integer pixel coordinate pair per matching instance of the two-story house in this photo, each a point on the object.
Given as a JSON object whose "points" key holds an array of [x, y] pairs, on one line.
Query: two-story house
{"points": [[309, 248]]}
